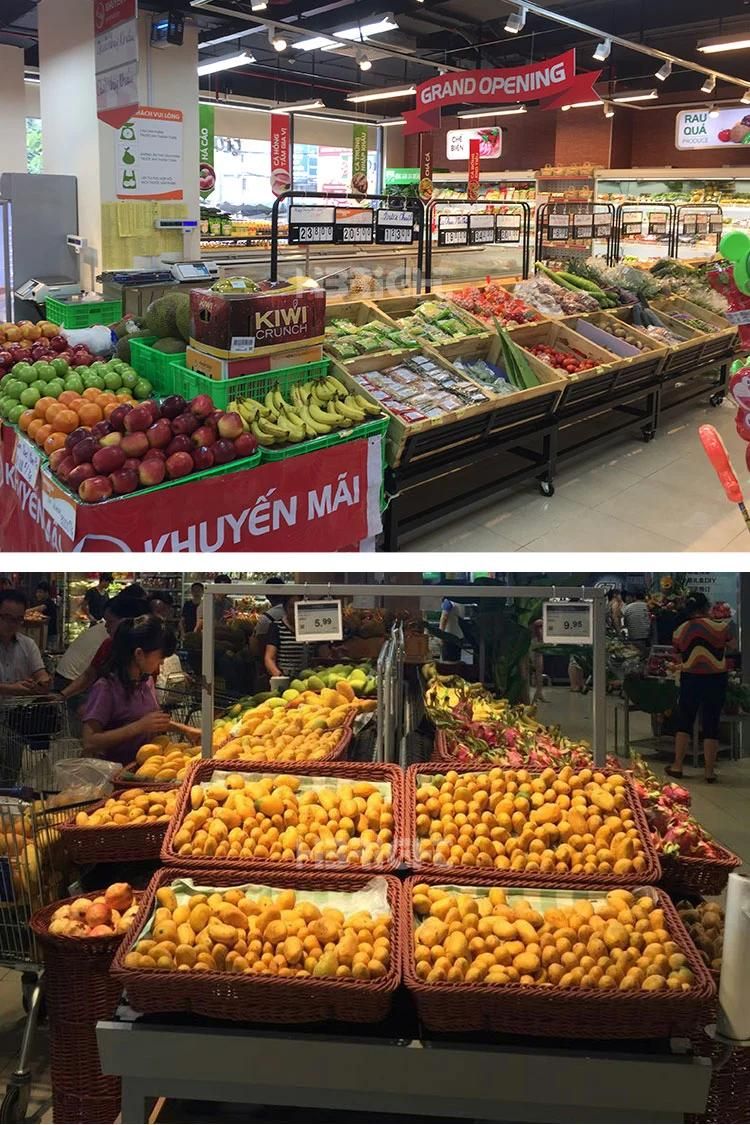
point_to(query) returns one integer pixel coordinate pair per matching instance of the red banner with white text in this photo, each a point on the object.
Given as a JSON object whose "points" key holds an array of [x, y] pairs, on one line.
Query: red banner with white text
{"points": [[551, 82], [472, 187], [281, 153], [329, 500]]}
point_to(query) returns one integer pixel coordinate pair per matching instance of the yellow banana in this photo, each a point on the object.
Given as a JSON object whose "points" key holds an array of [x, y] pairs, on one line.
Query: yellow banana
{"points": [[350, 410], [262, 437], [339, 386], [366, 405], [323, 417], [317, 427]]}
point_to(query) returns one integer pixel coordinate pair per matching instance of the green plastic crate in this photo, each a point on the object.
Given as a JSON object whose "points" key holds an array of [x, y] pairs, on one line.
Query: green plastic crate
{"points": [[82, 314], [156, 366], [223, 391]]}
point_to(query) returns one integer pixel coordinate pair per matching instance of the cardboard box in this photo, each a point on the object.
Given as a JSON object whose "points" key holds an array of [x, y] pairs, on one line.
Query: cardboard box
{"points": [[255, 324], [206, 364]]}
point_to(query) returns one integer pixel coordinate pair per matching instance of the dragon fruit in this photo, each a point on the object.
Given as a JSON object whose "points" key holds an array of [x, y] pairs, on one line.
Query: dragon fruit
{"points": [[682, 838], [675, 795]]}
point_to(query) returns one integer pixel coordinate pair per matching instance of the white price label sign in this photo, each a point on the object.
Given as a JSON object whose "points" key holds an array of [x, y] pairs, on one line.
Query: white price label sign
{"points": [[60, 507], [26, 461], [567, 622], [741, 316], [318, 621]]}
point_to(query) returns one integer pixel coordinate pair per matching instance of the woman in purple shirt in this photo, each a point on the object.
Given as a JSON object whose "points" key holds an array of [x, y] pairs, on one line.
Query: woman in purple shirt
{"points": [[122, 712]]}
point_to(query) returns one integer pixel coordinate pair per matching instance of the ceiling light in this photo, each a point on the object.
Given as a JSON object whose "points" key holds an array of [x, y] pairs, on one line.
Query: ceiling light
{"points": [[492, 112], [225, 63], [745, 99], [361, 31], [516, 21], [381, 95], [392, 121], [297, 107], [580, 105], [636, 96], [713, 111], [603, 50], [363, 61], [258, 5], [278, 42], [709, 85], [664, 71], [724, 43], [609, 109]]}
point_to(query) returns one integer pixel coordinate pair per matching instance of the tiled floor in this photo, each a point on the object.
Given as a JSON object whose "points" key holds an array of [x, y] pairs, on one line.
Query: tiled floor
{"points": [[628, 496], [721, 808]]}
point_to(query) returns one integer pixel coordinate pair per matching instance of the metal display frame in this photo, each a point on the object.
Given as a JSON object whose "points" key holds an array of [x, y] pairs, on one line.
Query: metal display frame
{"points": [[525, 228], [543, 212], [701, 208], [620, 222], [388, 199]]}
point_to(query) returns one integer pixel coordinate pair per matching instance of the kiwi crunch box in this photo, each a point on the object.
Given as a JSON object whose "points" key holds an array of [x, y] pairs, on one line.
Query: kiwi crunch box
{"points": [[231, 326]]}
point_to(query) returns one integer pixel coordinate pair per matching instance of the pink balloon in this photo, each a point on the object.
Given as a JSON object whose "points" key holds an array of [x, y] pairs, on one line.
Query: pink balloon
{"points": [[719, 458]]}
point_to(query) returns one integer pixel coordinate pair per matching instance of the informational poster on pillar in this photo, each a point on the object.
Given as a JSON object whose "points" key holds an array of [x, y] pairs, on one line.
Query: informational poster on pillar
{"points": [[116, 55], [281, 153], [149, 155]]}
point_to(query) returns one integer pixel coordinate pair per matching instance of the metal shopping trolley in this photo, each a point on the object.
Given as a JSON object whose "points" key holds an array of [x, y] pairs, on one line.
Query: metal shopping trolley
{"points": [[33, 873], [34, 734]]}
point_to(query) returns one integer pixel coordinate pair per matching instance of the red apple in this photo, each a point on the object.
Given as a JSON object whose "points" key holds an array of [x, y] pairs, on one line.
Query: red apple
{"points": [[202, 406], [185, 424], [204, 435], [138, 419], [151, 471], [245, 445], [153, 408], [160, 434], [134, 444], [80, 473], [172, 406], [39, 351], [132, 463], [203, 458], [179, 465], [57, 457], [230, 425], [158, 454], [123, 481], [64, 467], [101, 429], [214, 418], [179, 444], [75, 436], [95, 489], [110, 439], [117, 417], [84, 450], [224, 451], [58, 343], [108, 459]]}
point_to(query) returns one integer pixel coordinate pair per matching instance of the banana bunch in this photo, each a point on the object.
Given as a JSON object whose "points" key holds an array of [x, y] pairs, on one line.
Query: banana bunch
{"points": [[322, 406]]}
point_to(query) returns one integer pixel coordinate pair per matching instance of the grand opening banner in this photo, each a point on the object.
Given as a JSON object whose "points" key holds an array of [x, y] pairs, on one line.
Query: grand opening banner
{"points": [[551, 82]]}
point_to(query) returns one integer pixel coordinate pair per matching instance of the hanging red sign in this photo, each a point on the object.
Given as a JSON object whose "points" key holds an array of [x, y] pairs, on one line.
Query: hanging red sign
{"points": [[426, 186], [552, 82], [472, 190], [281, 153]]}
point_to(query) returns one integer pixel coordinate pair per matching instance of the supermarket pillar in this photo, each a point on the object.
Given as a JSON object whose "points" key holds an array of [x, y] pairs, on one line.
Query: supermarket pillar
{"points": [[15, 111]]}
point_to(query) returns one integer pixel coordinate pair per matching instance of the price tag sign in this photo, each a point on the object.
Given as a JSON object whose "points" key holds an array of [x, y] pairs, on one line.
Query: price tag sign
{"points": [[716, 224], [318, 621], [394, 227], [567, 623], [453, 230], [352, 225], [311, 224], [602, 226], [58, 505], [26, 461]]}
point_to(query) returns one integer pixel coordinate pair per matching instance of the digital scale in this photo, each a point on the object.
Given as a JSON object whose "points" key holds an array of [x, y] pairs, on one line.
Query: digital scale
{"points": [[39, 290], [195, 271]]}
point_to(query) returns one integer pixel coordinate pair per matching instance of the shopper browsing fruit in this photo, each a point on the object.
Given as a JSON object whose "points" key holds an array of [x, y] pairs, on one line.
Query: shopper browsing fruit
{"points": [[125, 605], [189, 611], [22, 670], [701, 644], [284, 654], [122, 712]]}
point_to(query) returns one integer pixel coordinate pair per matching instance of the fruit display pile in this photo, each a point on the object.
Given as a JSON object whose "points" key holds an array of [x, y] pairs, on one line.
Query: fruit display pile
{"points": [[308, 410], [705, 924], [241, 931], [616, 942], [129, 809], [674, 830], [104, 916], [304, 729], [622, 332], [564, 822], [287, 819], [439, 322], [346, 340], [23, 341], [493, 303], [566, 361], [55, 382], [167, 318], [144, 445], [164, 760]]}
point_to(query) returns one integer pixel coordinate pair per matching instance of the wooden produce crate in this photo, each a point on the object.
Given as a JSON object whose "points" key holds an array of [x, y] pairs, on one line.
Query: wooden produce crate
{"points": [[360, 313], [680, 358], [639, 370], [397, 307], [589, 388], [724, 337]]}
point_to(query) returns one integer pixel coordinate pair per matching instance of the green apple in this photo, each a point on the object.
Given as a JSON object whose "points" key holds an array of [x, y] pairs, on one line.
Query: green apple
{"points": [[61, 366], [30, 397], [40, 385], [74, 382], [142, 389], [112, 381], [82, 370], [44, 370], [15, 413], [12, 388], [128, 379], [94, 380], [19, 370], [28, 376], [55, 388]]}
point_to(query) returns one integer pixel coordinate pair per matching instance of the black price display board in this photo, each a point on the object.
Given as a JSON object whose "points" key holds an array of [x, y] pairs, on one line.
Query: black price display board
{"points": [[689, 224], [602, 225], [508, 228], [583, 226], [716, 224], [353, 224], [558, 228], [311, 224], [394, 228], [453, 230], [481, 230], [657, 223], [632, 221]]}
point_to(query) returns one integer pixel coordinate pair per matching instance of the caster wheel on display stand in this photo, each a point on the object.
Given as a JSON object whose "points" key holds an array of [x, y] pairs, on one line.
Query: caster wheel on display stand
{"points": [[648, 433], [546, 487], [16, 1099], [716, 398]]}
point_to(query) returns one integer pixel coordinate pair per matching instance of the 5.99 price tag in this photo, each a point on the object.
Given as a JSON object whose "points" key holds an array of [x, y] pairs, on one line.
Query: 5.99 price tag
{"points": [[567, 623], [318, 621]]}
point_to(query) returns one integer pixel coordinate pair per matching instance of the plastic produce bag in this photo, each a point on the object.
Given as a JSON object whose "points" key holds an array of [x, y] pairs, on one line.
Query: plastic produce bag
{"points": [[83, 779]]}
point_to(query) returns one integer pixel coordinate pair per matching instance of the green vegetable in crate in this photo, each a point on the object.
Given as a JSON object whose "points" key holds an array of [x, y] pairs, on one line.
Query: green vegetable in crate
{"points": [[517, 365], [312, 409]]}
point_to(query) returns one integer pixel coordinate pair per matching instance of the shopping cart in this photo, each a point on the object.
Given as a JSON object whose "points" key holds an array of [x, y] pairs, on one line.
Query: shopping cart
{"points": [[34, 734], [33, 873]]}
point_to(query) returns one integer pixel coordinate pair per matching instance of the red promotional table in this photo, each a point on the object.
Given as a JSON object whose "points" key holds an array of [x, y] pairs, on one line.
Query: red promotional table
{"points": [[328, 500]]}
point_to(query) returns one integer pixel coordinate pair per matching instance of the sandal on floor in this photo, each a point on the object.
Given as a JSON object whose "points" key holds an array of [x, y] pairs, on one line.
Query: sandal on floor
{"points": [[673, 772], [711, 780]]}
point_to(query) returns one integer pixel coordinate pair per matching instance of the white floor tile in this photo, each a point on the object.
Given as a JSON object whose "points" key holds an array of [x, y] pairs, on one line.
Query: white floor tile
{"points": [[524, 520], [597, 530], [676, 513]]}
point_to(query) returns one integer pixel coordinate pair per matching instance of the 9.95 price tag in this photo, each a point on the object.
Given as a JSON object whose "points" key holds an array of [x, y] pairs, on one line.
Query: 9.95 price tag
{"points": [[318, 621], [567, 623]]}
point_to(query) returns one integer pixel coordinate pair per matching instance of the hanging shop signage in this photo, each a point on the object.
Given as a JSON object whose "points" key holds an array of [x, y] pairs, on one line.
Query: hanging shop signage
{"points": [[281, 153], [698, 129], [583, 225], [394, 227], [632, 221], [481, 230], [558, 227], [567, 623], [116, 60], [319, 621], [397, 177], [551, 82], [352, 224], [425, 167], [206, 140], [148, 155], [457, 142], [311, 224], [359, 160], [716, 224], [602, 225], [453, 230], [657, 223], [472, 188], [508, 228]]}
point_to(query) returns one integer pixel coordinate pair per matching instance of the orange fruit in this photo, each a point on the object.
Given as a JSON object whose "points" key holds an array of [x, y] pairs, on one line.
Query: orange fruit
{"points": [[43, 404], [66, 421], [67, 398], [90, 414], [34, 426], [54, 441], [124, 396], [91, 393], [110, 407], [42, 433], [25, 420], [52, 411]]}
